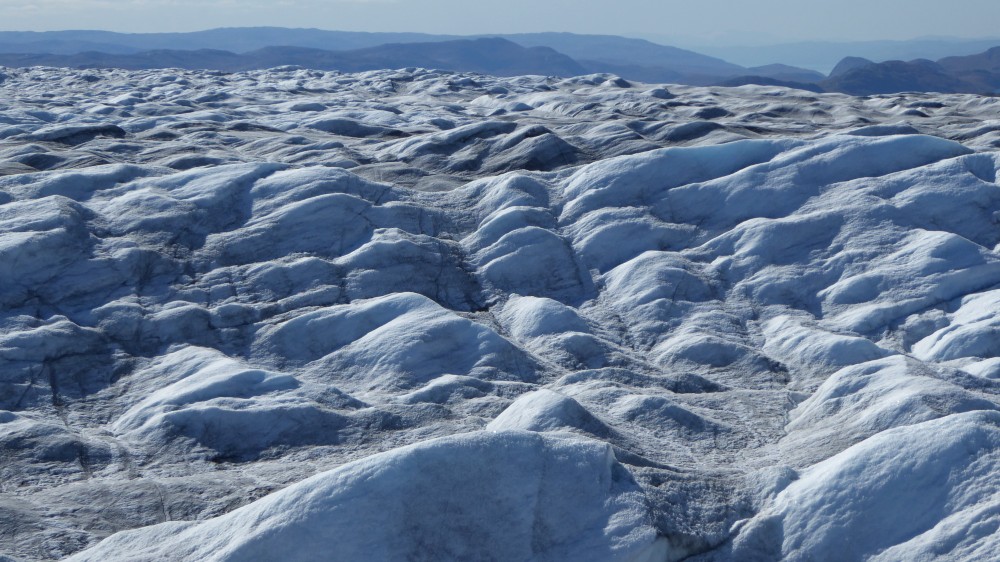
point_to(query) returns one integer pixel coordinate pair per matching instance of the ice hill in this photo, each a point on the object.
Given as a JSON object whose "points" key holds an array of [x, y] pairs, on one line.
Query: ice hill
{"points": [[426, 315]]}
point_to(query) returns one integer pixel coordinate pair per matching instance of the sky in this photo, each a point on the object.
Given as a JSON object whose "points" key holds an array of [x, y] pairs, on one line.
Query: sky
{"points": [[692, 21]]}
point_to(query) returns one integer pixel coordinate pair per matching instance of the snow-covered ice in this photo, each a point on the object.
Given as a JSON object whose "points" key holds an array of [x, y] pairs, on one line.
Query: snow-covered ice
{"points": [[433, 316]]}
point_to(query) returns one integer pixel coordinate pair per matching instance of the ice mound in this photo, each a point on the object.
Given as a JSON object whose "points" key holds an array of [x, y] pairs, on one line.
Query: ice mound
{"points": [[398, 341], [545, 410], [504, 495], [858, 402], [971, 332], [933, 481], [414, 314]]}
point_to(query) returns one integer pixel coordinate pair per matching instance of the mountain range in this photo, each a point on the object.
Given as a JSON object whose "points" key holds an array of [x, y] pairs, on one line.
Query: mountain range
{"points": [[233, 49], [598, 53], [555, 54], [823, 56], [969, 74], [488, 56]]}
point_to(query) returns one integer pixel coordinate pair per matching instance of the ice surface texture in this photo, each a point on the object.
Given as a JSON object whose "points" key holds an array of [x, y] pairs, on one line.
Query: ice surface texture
{"points": [[416, 315]]}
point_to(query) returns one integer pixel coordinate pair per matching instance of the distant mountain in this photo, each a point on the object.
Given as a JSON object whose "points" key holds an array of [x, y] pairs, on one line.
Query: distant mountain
{"points": [[635, 59], [978, 74], [201, 58], [848, 64], [489, 56], [975, 74], [988, 61], [235, 39], [824, 55], [638, 53], [63, 47], [897, 76], [982, 70], [638, 59], [557, 54]]}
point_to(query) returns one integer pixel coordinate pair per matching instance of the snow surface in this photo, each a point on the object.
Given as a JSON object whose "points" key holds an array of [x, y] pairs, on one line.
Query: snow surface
{"points": [[510, 496], [435, 316]]}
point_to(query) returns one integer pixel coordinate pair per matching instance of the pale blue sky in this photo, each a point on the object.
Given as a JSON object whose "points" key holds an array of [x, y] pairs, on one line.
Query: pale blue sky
{"points": [[729, 21]]}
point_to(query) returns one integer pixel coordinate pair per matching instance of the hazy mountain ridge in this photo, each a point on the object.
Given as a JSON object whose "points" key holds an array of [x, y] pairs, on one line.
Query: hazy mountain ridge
{"points": [[558, 54], [489, 56], [636, 59], [979, 73], [823, 56], [613, 49], [235, 39]]}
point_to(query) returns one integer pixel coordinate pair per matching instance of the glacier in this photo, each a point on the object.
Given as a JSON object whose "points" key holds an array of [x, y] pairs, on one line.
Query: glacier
{"points": [[425, 315]]}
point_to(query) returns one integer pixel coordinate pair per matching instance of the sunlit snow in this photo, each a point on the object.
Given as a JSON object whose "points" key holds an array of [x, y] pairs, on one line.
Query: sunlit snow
{"points": [[416, 315]]}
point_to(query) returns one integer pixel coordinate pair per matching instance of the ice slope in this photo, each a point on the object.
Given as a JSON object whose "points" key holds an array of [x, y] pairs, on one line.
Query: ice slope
{"points": [[934, 481], [479, 496], [416, 314]]}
